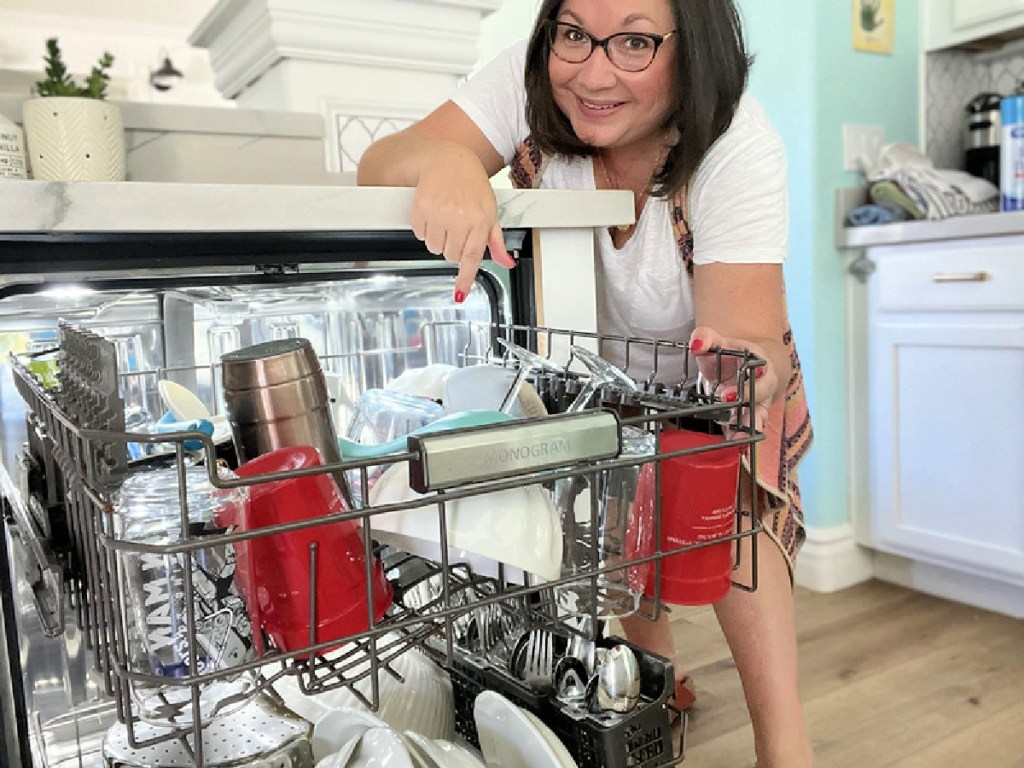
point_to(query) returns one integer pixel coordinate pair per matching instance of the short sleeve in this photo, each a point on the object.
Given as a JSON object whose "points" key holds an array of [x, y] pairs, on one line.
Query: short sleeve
{"points": [[495, 99], [738, 205]]}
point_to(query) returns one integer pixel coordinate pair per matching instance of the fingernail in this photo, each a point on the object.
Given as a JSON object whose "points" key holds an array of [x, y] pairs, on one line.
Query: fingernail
{"points": [[759, 372], [460, 296], [730, 397], [697, 345]]}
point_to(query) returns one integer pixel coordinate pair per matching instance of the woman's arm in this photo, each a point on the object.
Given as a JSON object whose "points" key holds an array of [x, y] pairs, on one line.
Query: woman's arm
{"points": [[740, 306], [450, 162]]}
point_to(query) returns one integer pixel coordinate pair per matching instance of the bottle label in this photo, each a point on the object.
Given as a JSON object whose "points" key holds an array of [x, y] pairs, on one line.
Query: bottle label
{"points": [[12, 151]]}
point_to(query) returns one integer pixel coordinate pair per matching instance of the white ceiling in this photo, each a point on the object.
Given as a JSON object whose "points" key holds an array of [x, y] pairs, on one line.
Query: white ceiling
{"points": [[183, 13]]}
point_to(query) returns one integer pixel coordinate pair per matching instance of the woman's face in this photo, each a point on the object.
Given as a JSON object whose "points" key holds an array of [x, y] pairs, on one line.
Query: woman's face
{"points": [[607, 106]]}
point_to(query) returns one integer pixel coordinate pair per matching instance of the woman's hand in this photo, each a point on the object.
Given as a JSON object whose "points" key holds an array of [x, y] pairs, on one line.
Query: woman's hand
{"points": [[722, 372], [449, 161], [455, 214]]}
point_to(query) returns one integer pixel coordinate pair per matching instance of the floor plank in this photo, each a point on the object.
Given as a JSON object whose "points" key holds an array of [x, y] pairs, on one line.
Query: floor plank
{"points": [[891, 678]]}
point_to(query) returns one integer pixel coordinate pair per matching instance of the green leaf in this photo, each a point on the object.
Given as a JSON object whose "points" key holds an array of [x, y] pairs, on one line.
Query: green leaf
{"points": [[59, 83]]}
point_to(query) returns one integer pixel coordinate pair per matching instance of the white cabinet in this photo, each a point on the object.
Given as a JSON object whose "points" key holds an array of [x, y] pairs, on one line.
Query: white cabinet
{"points": [[946, 404], [947, 23], [967, 13]]}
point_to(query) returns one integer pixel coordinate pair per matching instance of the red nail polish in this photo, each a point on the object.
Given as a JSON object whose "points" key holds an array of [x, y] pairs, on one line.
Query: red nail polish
{"points": [[697, 345], [460, 296], [730, 397], [759, 372]]}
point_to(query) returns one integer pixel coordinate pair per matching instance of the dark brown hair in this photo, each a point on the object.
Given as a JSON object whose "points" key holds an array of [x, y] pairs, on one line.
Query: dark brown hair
{"points": [[710, 76]]}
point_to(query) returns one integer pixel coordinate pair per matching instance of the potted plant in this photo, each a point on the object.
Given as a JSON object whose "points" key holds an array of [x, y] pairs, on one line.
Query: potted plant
{"points": [[72, 132]]}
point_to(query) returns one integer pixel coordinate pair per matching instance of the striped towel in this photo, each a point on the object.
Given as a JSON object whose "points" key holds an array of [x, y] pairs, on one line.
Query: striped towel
{"points": [[944, 193]]}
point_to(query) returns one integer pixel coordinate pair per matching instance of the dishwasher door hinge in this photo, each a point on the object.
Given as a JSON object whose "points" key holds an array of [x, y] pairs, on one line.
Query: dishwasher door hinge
{"points": [[278, 269]]}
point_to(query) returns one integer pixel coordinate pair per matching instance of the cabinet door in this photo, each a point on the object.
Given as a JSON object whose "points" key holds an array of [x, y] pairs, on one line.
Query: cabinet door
{"points": [[947, 420], [967, 13]]}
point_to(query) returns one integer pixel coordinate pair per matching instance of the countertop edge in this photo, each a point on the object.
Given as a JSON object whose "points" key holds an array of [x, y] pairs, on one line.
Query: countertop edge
{"points": [[49, 207], [954, 228]]}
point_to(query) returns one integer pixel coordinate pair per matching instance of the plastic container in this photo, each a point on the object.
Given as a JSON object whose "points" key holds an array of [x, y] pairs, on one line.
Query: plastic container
{"points": [[1011, 163], [641, 738], [698, 505], [274, 572]]}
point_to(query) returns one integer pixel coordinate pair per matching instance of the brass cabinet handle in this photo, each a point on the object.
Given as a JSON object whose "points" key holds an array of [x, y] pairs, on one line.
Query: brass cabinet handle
{"points": [[961, 277]]}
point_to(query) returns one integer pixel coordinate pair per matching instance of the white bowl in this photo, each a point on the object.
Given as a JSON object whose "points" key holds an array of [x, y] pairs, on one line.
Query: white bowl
{"points": [[181, 401], [518, 526], [427, 381], [423, 702]]}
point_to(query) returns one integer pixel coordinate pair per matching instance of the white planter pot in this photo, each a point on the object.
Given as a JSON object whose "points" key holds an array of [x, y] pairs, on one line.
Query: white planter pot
{"points": [[74, 139]]}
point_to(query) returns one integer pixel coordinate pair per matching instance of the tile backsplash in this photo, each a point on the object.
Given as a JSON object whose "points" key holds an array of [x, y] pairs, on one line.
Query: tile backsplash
{"points": [[953, 78]]}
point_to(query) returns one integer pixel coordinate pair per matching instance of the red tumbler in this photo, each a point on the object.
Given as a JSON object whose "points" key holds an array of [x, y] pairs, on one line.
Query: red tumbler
{"points": [[273, 572], [698, 505]]}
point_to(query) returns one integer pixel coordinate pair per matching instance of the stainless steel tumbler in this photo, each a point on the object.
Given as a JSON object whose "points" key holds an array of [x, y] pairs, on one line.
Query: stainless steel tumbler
{"points": [[276, 396]]}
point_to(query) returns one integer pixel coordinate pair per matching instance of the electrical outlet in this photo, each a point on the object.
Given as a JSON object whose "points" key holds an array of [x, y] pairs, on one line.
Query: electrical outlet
{"points": [[861, 144]]}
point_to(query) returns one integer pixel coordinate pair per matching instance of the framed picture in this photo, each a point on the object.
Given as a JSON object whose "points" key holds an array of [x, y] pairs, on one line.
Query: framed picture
{"points": [[873, 25]]}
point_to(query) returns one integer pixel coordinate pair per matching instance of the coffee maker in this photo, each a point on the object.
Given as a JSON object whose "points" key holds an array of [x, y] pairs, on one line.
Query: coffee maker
{"points": [[982, 133]]}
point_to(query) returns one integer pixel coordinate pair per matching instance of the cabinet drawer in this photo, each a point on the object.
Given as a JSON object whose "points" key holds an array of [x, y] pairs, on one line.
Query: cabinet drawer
{"points": [[945, 279]]}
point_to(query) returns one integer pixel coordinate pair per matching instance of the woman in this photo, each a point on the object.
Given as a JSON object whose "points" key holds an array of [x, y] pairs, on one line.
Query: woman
{"points": [[648, 96]]}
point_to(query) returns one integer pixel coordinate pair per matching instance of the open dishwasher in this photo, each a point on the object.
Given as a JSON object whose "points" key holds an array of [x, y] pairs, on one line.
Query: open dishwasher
{"points": [[513, 610]]}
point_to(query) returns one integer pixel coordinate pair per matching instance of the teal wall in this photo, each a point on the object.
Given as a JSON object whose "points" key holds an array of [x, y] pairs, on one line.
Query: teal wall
{"points": [[811, 82]]}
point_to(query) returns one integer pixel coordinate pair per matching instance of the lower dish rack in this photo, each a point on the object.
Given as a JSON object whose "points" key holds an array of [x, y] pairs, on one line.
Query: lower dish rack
{"points": [[197, 575]]}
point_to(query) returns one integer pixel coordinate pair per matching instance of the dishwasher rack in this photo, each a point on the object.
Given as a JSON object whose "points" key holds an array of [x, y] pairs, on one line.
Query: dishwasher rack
{"points": [[78, 445]]}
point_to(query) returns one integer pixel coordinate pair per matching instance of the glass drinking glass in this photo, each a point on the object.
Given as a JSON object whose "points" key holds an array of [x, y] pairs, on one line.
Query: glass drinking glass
{"points": [[529, 362], [619, 531], [602, 374]]}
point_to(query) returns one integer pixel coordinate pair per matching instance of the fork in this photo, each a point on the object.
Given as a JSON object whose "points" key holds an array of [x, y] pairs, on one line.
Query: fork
{"points": [[538, 667]]}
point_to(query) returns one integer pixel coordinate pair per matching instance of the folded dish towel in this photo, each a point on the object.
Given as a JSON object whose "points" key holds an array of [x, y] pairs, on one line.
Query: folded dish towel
{"points": [[889, 193], [948, 193], [902, 175], [866, 215]]}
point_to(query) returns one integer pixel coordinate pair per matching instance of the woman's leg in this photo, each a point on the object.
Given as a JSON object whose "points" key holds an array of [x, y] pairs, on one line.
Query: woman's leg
{"points": [[760, 628]]}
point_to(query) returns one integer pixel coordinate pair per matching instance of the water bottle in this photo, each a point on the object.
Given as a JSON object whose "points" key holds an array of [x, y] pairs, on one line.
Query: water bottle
{"points": [[147, 510], [1011, 174]]}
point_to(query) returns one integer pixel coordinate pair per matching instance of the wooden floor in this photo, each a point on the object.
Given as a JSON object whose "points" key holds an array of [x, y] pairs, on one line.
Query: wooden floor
{"points": [[890, 678]]}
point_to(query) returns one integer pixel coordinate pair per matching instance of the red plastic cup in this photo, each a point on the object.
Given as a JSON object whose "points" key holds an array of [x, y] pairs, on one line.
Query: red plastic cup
{"points": [[698, 505], [273, 572]]}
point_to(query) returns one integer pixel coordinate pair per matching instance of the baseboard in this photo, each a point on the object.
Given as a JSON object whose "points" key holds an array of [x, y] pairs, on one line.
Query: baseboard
{"points": [[831, 560], [949, 584]]}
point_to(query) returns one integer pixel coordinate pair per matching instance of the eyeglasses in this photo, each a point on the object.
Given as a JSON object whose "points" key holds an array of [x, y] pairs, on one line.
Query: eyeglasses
{"points": [[629, 51]]}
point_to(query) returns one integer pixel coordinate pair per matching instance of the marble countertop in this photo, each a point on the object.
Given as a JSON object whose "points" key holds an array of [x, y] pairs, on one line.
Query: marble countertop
{"points": [[42, 207], [953, 228]]}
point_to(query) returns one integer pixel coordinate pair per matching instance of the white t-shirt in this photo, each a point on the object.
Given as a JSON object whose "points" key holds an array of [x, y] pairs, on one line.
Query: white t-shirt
{"points": [[737, 213]]}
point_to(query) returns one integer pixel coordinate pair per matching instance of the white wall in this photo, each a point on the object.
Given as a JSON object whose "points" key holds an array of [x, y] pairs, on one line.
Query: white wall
{"points": [[510, 23], [136, 32]]}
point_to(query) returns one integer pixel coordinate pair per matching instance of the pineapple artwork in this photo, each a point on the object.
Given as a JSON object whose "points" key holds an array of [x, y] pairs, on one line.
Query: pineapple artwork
{"points": [[873, 25]]}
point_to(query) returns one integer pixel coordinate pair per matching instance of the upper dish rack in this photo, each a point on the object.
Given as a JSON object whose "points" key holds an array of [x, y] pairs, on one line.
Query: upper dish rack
{"points": [[78, 446]]}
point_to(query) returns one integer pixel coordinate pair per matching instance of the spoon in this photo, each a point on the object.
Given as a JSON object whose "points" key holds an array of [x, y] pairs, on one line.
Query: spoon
{"points": [[618, 680]]}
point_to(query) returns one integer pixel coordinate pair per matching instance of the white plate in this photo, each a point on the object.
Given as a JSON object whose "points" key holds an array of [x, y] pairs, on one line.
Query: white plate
{"points": [[448, 754], [508, 738], [380, 748], [565, 759], [445, 753], [339, 726]]}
